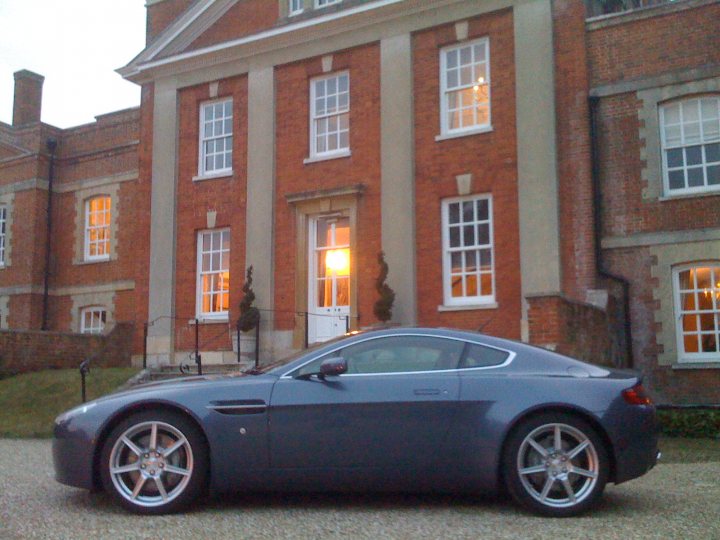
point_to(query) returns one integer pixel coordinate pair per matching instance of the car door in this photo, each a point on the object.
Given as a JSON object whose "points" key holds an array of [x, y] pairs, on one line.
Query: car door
{"points": [[392, 409]]}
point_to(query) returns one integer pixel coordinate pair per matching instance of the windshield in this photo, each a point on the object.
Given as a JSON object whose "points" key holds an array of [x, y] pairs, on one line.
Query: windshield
{"points": [[294, 356]]}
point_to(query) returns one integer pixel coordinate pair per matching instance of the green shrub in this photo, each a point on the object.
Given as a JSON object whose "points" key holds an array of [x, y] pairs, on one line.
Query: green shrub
{"points": [[694, 423]]}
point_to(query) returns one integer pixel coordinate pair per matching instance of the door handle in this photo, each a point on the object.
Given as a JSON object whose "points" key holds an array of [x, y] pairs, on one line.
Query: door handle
{"points": [[426, 391]]}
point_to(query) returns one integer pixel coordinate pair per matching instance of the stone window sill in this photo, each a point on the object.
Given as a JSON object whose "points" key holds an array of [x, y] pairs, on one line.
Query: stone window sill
{"points": [[215, 176], [336, 155], [466, 133], [469, 307], [696, 365]]}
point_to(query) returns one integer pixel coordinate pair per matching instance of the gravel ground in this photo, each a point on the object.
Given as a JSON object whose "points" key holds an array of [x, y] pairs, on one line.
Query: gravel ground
{"points": [[672, 501]]}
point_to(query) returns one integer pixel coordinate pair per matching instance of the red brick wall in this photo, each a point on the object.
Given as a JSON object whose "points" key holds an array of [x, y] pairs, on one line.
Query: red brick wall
{"points": [[491, 159], [362, 167], [574, 150], [224, 195], [574, 329], [244, 18], [22, 352], [160, 16], [655, 45]]}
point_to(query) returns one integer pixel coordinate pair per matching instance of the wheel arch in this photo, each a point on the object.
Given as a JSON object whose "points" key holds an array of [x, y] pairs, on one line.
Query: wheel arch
{"points": [[580, 413], [126, 412]]}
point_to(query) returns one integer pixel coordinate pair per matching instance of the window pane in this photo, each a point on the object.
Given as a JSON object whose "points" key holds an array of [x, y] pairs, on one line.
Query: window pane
{"points": [[403, 354], [693, 155], [709, 343], [690, 323], [696, 177], [672, 114], [479, 356], [713, 175], [677, 179], [675, 157], [691, 343], [712, 153], [454, 236], [452, 58]]}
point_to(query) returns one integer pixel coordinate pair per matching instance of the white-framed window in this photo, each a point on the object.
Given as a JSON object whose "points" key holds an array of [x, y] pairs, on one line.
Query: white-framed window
{"points": [[323, 3], [697, 310], [92, 320], [465, 87], [690, 135], [3, 233], [295, 7], [330, 115], [216, 137], [98, 213], [467, 237], [213, 274]]}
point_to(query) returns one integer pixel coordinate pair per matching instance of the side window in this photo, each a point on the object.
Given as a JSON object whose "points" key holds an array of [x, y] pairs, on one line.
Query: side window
{"points": [[690, 134], [216, 137], [403, 354], [92, 320], [479, 356], [3, 221], [97, 228], [330, 115]]}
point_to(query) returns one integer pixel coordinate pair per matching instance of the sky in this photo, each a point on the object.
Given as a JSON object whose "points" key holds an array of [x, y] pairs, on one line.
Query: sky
{"points": [[76, 45]]}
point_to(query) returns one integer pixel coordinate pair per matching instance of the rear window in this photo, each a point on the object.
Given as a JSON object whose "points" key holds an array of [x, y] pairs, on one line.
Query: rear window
{"points": [[479, 356]]}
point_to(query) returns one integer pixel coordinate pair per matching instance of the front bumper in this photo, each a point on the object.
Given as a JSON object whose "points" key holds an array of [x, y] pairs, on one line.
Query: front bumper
{"points": [[73, 454]]}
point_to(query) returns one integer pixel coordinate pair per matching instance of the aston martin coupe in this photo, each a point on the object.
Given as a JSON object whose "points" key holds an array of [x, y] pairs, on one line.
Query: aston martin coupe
{"points": [[402, 409]]}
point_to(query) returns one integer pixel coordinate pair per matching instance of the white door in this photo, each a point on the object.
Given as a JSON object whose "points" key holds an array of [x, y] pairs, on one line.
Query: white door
{"points": [[329, 278]]}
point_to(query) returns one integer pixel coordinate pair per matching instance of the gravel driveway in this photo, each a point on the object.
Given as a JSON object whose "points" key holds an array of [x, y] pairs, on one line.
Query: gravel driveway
{"points": [[672, 501]]}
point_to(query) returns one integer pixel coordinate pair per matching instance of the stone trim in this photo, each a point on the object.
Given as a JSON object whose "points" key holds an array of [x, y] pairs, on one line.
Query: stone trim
{"points": [[69, 187], [660, 238], [104, 299], [4, 312], [7, 200], [293, 198], [668, 257], [81, 198], [113, 286], [649, 132], [665, 79]]}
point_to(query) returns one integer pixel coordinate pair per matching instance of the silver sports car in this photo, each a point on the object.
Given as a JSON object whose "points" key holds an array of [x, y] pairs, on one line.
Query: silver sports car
{"points": [[403, 409]]}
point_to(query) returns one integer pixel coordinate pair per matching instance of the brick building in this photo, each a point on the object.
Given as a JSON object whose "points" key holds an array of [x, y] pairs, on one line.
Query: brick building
{"points": [[529, 167]]}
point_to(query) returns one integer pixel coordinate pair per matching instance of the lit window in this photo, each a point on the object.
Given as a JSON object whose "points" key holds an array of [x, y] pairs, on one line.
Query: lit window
{"points": [[468, 274], [691, 145], [97, 228], [92, 320], [296, 6], [213, 282], [323, 3], [216, 138], [465, 87], [330, 115], [3, 233], [697, 301]]}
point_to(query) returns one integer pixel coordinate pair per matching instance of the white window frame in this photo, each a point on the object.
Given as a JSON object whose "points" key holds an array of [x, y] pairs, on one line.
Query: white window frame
{"points": [[679, 312], [325, 3], [203, 171], [3, 233], [445, 130], [92, 311], [210, 315], [107, 226], [703, 142], [299, 7], [314, 119], [478, 299]]}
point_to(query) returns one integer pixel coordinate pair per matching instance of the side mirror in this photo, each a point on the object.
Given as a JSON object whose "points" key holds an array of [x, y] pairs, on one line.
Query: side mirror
{"points": [[333, 366]]}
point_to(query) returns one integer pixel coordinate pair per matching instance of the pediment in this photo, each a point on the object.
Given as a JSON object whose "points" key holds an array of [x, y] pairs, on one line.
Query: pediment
{"points": [[188, 28]]}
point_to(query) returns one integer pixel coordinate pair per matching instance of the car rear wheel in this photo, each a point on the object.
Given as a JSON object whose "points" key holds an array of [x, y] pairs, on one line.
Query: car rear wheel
{"points": [[555, 465], [154, 463]]}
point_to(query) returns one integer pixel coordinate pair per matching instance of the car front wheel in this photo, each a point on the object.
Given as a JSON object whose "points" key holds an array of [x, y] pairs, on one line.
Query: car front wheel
{"points": [[555, 465], [154, 463]]}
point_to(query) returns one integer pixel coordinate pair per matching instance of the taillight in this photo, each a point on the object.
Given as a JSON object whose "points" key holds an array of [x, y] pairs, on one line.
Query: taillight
{"points": [[636, 395]]}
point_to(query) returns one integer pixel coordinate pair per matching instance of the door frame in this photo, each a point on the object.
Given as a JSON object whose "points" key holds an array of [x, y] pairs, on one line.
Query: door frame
{"points": [[343, 201]]}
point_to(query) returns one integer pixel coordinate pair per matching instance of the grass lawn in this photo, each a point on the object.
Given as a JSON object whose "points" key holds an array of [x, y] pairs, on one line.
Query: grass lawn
{"points": [[29, 403], [683, 450]]}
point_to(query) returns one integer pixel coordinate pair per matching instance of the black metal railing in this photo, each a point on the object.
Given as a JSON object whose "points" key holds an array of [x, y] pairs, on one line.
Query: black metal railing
{"points": [[596, 8], [206, 342]]}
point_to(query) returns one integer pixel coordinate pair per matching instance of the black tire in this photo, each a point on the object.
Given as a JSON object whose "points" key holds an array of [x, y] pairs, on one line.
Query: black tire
{"points": [[550, 481], [159, 480]]}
